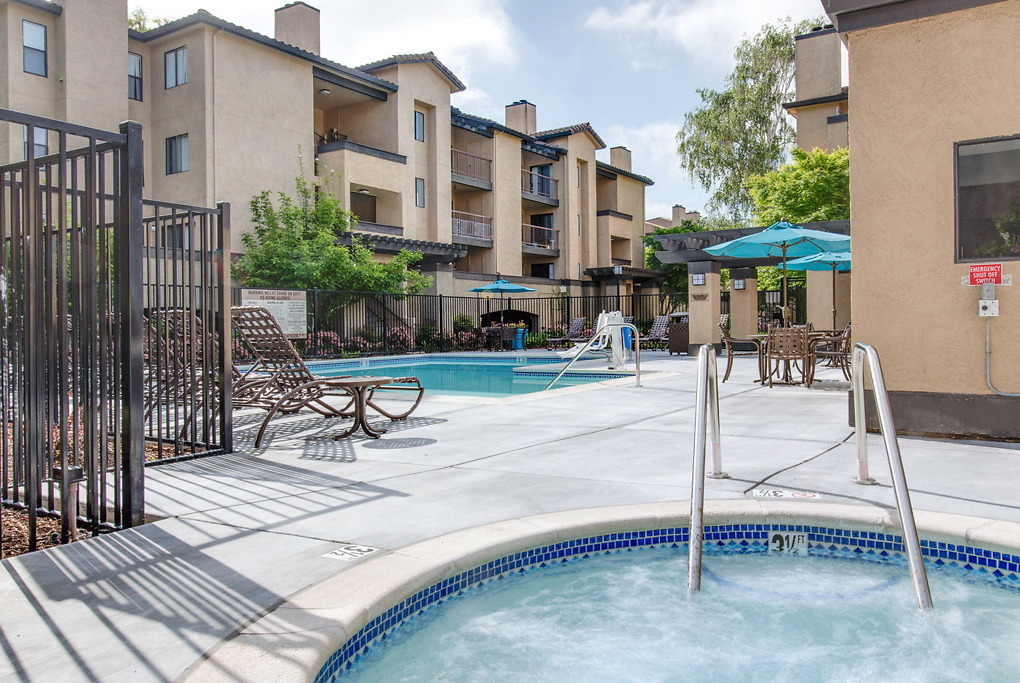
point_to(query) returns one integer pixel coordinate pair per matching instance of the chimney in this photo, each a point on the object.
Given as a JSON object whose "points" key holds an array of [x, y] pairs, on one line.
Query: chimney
{"points": [[818, 64], [619, 157], [297, 24], [681, 214], [521, 117]]}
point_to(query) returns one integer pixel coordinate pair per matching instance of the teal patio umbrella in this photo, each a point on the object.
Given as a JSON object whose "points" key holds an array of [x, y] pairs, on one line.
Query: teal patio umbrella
{"points": [[827, 260], [501, 286], [785, 240]]}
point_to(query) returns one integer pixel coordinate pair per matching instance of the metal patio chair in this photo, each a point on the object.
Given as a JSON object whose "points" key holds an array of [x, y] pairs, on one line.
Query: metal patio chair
{"points": [[287, 385], [731, 345], [788, 351]]}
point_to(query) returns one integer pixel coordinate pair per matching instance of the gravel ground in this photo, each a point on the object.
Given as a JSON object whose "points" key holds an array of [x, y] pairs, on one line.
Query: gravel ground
{"points": [[15, 532]]}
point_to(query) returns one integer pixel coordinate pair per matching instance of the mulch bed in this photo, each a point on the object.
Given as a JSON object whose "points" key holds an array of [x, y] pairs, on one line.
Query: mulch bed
{"points": [[15, 532]]}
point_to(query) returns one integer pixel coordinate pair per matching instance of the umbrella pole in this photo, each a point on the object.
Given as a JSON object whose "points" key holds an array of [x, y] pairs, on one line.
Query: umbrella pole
{"points": [[786, 310], [833, 297]]}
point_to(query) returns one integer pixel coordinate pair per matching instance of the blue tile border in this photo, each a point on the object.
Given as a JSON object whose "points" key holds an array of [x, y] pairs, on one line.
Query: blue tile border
{"points": [[728, 539]]}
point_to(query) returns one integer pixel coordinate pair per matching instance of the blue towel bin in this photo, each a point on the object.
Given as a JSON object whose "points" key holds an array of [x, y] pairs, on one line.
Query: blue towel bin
{"points": [[519, 340], [627, 334]]}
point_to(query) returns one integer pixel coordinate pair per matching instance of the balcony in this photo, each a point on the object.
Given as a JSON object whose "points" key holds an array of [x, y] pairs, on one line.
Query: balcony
{"points": [[539, 188], [538, 240], [471, 170], [471, 229]]}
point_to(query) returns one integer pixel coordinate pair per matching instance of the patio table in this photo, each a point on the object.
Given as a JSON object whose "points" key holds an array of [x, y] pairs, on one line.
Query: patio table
{"points": [[359, 389]]}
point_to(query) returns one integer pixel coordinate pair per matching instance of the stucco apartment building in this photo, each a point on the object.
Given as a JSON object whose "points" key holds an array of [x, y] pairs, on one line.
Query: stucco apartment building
{"points": [[228, 112], [935, 189]]}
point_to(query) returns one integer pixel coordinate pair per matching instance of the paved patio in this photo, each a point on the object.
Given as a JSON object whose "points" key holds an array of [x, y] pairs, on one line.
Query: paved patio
{"points": [[242, 532]]}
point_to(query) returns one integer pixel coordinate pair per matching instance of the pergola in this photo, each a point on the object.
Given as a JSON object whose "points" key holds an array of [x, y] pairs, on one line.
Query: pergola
{"points": [[704, 304]]}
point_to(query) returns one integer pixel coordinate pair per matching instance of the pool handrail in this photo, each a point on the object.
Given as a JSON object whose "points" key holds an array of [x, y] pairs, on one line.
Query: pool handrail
{"points": [[865, 352], [587, 345], [706, 416]]}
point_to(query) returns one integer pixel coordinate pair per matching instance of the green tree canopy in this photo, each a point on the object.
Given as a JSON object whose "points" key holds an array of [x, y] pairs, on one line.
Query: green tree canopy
{"points": [[675, 285], [140, 21], [743, 130], [813, 186], [294, 245]]}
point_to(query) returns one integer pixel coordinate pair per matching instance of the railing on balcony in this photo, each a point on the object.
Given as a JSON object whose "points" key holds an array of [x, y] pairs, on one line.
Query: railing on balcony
{"points": [[537, 236], [470, 165], [472, 225], [539, 184]]}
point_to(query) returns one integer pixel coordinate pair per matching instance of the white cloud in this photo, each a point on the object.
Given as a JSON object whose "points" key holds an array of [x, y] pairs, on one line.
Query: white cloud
{"points": [[460, 32], [706, 29], [653, 154]]}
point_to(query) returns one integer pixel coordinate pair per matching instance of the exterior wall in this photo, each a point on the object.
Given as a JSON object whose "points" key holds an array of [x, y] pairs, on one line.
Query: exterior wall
{"points": [[818, 64], [744, 309], [907, 297], [819, 299], [249, 131], [91, 46], [506, 191]]}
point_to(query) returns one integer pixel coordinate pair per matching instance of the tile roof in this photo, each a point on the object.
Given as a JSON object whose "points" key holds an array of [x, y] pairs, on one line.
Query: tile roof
{"points": [[630, 174], [202, 16], [570, 130], [419, 58], [489, 123]]}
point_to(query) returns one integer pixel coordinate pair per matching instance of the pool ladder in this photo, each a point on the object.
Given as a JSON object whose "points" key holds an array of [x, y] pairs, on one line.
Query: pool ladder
{"points": [[706, 414], [594, 338]]}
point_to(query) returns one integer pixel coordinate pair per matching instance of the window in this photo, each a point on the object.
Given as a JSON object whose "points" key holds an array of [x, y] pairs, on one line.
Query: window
{"points": [[419, 126], [542, 270], [175, 68], [578, 224], [33, 40], [579, 175], [419, 192], [134, 76], [40, 142], [176, 154], [988, 199]]}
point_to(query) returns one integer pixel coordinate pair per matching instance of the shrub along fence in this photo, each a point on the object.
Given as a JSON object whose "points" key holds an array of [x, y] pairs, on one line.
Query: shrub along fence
{"points": [[345, 324]]}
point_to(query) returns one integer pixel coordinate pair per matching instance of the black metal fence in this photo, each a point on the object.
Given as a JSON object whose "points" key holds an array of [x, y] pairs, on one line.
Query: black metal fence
{"points": [[113, 333], [70, 313], [770, 306], [342, 324], [187, 323]]}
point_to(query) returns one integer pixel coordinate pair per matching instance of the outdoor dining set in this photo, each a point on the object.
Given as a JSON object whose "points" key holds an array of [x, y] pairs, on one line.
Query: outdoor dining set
{"points": [[790, 355]]}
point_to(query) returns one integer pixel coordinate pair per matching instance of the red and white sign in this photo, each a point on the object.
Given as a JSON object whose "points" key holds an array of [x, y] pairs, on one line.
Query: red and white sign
{"points": [[986, 274]]}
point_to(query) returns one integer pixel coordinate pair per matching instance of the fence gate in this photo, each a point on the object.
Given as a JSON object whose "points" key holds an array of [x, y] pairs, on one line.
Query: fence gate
{"points": [[112, 337]]}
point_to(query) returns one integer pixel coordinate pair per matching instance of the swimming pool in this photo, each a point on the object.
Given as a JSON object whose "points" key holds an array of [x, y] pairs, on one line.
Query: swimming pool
{"points": [[492, 376]]}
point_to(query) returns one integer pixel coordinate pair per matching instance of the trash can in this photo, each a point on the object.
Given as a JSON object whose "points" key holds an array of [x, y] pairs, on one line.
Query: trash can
{"points": [[627, 338], [679, 334], [519, 338]]}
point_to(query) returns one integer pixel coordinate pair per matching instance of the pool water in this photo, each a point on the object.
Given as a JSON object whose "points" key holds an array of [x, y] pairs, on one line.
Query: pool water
{"points": [[465, 376], [627, 617]]}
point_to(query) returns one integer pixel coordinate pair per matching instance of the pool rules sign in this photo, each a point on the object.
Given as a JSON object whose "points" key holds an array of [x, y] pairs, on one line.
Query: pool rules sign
{"points": [[288, 306]]}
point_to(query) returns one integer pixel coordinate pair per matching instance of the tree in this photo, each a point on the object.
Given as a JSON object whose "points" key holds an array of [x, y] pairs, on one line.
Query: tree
{"points": [[140, 21], [294, 245], [813, 186], [743, 130], [675, 285]]}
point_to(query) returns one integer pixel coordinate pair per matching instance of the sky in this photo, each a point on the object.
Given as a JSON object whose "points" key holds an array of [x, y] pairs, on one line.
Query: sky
{"points": [[631, 68]]}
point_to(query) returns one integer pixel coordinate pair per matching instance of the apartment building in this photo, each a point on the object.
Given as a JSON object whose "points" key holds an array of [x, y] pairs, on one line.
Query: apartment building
{"points": [[228, 112]]}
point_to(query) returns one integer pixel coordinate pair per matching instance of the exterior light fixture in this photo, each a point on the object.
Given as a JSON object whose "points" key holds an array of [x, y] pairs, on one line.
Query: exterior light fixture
{"points": [[324, 91], [617, 270], [363, 191], [698, 278], [739, 284]]}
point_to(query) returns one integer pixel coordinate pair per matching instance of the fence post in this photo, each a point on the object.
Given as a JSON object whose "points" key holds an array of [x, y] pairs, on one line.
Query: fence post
{"points": [[128, 246], [315, 327], [441, 326], [224, 331]]}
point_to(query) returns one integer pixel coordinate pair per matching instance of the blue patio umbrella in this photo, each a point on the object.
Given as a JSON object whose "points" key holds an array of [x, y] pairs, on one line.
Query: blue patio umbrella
{"points": [[827, 260], [501, 286], [782, 239]]}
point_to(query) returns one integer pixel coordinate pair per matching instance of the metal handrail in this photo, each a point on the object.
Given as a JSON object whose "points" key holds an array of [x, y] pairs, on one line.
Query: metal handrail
{"points": [[866, 352], [594, 338], [706, 416]]}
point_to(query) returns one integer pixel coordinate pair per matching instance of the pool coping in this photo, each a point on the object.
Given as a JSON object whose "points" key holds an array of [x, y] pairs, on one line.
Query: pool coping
{"points": [[296, 638]]}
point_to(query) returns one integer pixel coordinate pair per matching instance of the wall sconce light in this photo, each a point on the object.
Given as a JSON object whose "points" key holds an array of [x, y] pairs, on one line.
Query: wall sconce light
{"points": [[363, 191], [324, 91], [739, 284], [698, 278]]}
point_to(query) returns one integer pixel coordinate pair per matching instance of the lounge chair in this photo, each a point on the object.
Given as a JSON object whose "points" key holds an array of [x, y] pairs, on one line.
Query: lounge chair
{"points": [[287, 385], [657, 333], [574, 333]]}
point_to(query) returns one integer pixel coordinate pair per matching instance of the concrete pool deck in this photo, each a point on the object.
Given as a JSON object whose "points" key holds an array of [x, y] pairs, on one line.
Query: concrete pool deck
{"points": [[243, 532]]}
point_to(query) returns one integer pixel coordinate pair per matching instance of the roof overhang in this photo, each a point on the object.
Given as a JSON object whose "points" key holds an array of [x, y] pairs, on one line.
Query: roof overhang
{"points": [[626, 273], [433, 252], [854, 15]]}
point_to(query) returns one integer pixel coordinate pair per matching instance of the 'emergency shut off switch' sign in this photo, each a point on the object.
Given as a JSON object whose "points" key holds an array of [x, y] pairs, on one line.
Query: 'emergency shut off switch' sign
{"points": [[985, 273], [289, 307]]}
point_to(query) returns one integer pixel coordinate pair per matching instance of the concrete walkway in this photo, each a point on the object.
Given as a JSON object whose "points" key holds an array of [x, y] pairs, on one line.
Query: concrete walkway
{"points": [[242, 532]]}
